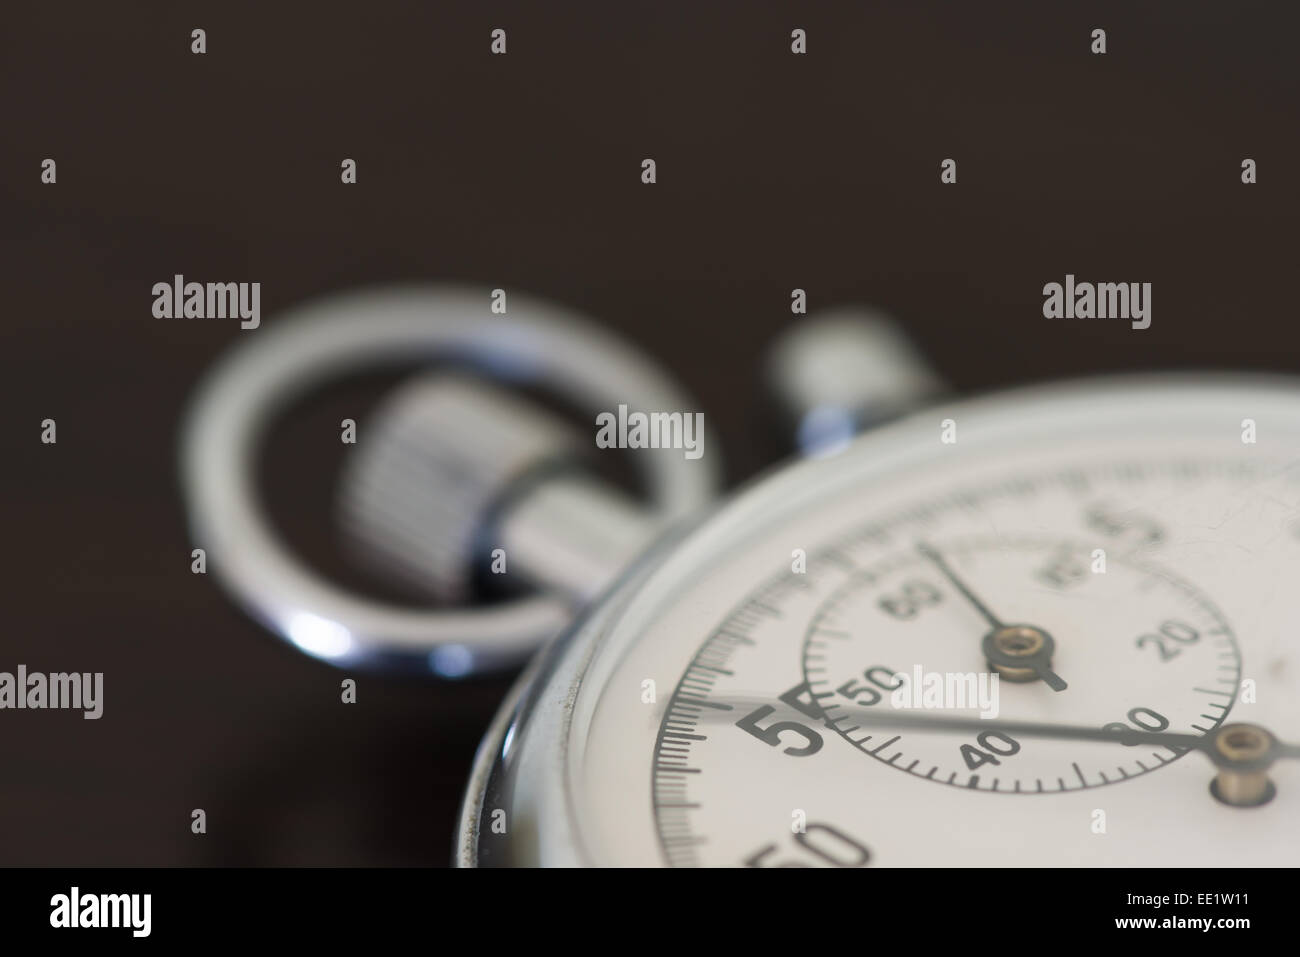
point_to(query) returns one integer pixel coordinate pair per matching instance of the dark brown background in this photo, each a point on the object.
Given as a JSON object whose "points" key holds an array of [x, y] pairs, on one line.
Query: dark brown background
{"points": [[522, 171]]}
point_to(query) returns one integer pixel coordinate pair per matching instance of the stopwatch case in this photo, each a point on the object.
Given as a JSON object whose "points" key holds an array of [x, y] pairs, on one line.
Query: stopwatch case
{"points": [[519, 808]]}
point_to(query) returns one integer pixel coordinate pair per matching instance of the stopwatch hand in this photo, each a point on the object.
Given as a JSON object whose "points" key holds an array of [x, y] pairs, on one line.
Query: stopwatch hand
{"points": [[869, 717], [906, 720], [1242, 753], [1017, 652], [936, 559]]}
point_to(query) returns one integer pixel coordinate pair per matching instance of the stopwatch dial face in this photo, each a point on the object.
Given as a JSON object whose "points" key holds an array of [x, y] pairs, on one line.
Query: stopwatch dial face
{"points": [[1159, 656], [1086, 564]]}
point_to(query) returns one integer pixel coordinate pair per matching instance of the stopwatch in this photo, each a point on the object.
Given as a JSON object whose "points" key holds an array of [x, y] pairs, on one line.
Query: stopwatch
{"points": [[1054, 626]]}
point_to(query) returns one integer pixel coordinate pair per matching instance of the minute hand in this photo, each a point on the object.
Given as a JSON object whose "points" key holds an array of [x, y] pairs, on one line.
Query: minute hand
{"points": [[931, 553], [1017, 652]]}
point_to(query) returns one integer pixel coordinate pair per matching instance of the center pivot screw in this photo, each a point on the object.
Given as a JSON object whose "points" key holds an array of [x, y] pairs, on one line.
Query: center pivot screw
{"points": [[1022, 653]]}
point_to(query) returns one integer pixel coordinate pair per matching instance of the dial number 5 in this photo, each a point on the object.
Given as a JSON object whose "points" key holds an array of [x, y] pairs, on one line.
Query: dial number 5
{"points": [[772, 733]]}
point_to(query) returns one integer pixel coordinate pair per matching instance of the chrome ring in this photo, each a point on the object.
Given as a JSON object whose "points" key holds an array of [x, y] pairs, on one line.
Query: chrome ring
{"points": [[535, 342]]}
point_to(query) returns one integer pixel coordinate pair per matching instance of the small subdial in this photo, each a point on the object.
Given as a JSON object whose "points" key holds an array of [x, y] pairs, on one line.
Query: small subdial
{"points": [[1018, 630]]}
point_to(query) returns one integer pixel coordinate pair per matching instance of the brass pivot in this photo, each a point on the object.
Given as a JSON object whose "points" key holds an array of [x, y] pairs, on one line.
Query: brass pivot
{"points": [[1243, 753]]}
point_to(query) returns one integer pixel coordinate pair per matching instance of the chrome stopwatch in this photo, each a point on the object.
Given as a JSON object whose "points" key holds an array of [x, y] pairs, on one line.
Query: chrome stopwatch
{"points": [[1053, 626], [1056, 626]]}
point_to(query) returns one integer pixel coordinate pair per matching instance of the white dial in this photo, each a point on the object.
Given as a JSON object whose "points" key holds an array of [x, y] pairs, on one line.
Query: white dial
{"points": [[719, 709], [1133, 645]]}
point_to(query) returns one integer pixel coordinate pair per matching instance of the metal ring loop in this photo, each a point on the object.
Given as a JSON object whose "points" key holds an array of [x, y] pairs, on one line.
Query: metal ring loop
{"points": [[536, 342]]}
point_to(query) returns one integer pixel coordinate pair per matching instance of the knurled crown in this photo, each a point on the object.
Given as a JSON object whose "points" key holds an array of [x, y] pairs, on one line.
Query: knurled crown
{"points": [[427, 470]]}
